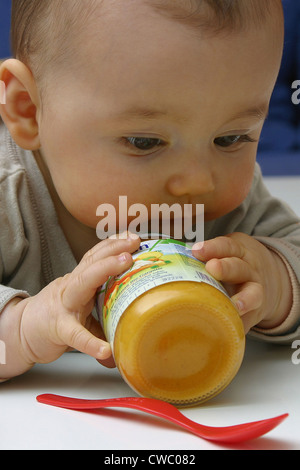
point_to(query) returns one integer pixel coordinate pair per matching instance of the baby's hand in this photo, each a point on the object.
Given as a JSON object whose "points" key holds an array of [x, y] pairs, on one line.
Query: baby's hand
{"points": [[253, 275], [59, 317]]}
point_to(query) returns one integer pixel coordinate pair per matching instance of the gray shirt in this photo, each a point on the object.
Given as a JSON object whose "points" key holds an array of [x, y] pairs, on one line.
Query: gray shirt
{"points": [[34, 250]]}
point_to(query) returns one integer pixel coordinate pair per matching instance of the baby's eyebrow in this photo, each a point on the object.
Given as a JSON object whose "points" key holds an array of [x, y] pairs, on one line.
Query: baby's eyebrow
{"points": [[150, 114], [141, 112], [257, 111]]}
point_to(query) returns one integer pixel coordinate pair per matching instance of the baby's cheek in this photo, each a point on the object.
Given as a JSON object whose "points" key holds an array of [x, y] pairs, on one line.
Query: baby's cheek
{"points": [[236, 194]]}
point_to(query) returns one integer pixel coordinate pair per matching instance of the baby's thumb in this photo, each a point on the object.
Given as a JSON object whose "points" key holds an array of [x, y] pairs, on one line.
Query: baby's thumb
{"points": [[84, 341]]}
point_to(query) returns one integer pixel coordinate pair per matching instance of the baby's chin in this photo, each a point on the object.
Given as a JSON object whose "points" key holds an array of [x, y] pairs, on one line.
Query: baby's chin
{"points": [[220, 212]]}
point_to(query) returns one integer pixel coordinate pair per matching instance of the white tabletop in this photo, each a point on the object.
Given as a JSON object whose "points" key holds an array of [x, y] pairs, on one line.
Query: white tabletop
{"points": [[286, 188], [267, 385]]}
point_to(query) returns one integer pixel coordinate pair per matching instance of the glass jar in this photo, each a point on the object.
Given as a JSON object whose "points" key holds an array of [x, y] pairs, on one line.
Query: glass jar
{"points": [[174, 332]]}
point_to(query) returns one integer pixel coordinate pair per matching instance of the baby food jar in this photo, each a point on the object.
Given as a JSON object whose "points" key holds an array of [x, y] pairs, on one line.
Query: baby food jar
{"points": [[175, 334]]}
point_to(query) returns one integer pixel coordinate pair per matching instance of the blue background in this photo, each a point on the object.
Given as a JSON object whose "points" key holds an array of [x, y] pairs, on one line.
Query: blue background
{"points": [[4, 27], [279, 148]]}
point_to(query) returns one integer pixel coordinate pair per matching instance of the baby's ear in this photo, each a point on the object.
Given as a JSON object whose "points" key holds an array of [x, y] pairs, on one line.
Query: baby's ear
{"points": [[19, 109]]}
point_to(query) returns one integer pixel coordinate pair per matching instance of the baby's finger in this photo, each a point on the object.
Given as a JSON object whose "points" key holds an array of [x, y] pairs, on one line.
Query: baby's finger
{"points": [[81, 287], [249, 299], [220, 247], [78, 337], [94, 327], [230, 270], [109, 247]]}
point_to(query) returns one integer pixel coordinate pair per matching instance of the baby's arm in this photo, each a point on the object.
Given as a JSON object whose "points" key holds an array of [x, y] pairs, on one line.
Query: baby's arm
{"points": [[41, 328], [255, 277]]}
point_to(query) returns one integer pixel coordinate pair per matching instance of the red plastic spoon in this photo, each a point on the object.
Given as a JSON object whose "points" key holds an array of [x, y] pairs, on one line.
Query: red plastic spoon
{"points": [[230, 434]]}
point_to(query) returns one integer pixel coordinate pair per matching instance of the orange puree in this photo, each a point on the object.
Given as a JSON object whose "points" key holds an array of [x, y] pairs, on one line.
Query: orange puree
{"points": [[181, 341]]}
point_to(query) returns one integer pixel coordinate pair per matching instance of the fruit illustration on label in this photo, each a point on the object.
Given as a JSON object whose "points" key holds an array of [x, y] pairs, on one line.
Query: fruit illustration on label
{"points": [[143, 261]]}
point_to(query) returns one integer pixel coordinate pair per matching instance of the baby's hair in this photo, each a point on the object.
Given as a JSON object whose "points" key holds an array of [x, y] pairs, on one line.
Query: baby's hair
{"points": [[218, 16], [43, 32]]}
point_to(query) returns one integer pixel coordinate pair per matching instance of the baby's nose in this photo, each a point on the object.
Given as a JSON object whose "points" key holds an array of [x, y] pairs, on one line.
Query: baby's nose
{"points": [[192, 180]]}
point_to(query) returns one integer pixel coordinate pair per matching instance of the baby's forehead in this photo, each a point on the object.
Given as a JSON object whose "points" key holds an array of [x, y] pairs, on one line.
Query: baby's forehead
{"points": [[138, 23]]}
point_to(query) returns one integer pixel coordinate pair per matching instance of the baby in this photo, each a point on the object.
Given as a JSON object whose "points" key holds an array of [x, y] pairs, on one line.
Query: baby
{"points": [[159, 100]]}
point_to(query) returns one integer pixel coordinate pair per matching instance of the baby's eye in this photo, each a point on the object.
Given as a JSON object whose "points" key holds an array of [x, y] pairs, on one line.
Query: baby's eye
{"points": [[229, 140], [144, 143]]}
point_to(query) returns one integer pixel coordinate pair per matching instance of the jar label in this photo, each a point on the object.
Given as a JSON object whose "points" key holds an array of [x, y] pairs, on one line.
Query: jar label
{"points": [[156, 262]]}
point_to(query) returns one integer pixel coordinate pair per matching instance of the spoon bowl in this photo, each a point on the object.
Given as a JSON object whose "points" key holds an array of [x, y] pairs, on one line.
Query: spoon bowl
{"points": [[227, 434]]}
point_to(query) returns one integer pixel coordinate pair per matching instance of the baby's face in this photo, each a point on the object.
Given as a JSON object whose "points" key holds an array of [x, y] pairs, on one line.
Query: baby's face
{"points": [[158, 113]]}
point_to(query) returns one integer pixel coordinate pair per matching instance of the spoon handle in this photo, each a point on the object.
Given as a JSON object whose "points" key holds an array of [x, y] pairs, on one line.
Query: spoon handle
{"points": [[230, 434]]}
